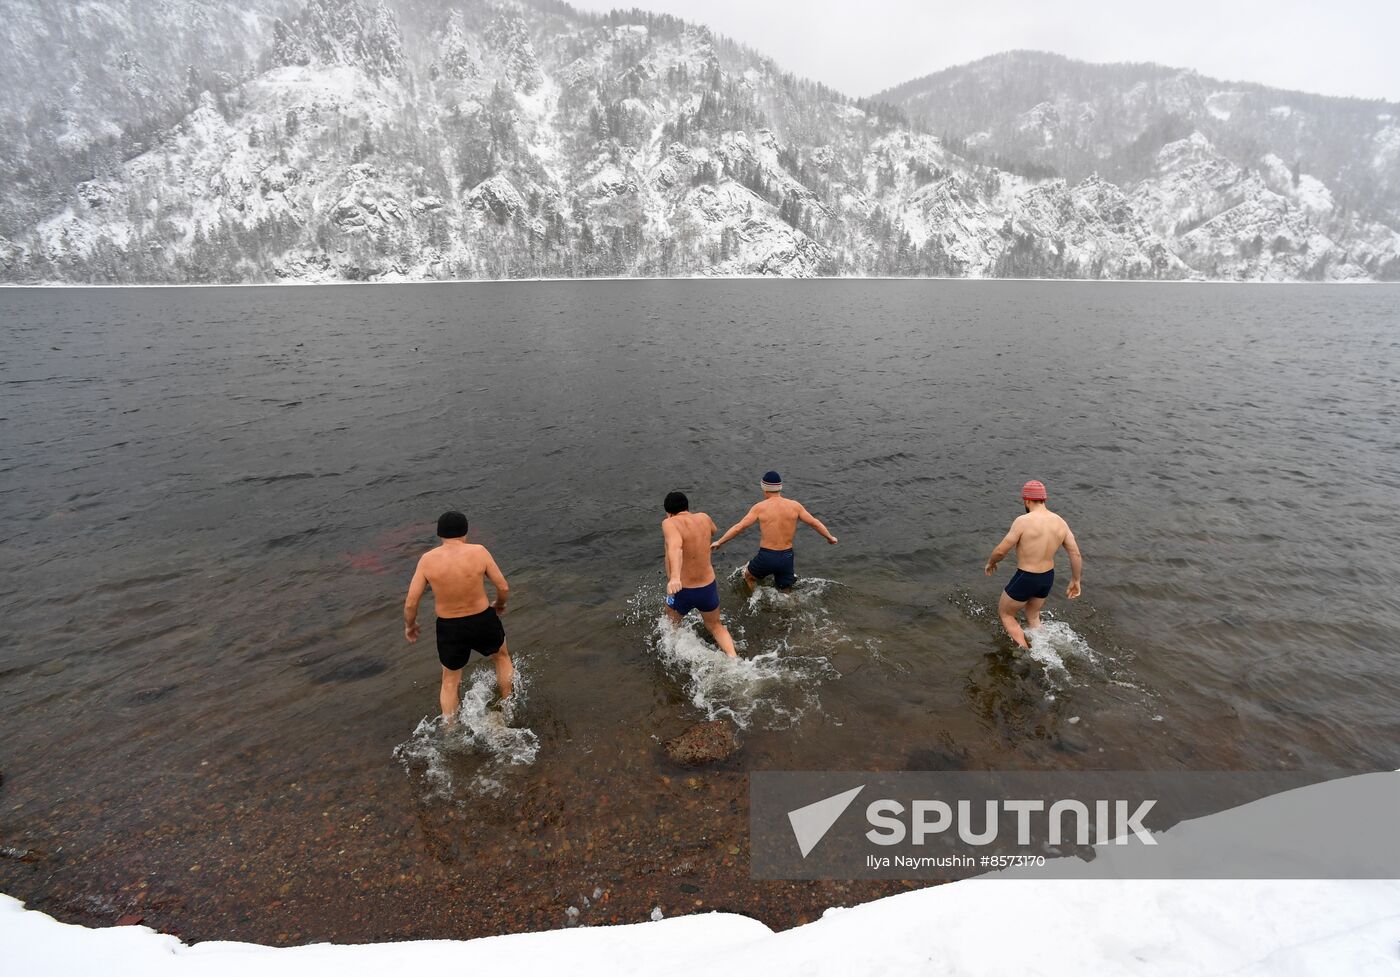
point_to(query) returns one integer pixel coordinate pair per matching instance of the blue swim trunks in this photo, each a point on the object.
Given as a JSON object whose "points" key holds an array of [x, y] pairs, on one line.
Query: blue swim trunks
{"points": [[777, 564], [687, 599], [1024, 586]]}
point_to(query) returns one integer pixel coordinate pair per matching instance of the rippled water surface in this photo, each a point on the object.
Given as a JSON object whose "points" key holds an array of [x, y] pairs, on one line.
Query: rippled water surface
{"points": [[212, 501]]}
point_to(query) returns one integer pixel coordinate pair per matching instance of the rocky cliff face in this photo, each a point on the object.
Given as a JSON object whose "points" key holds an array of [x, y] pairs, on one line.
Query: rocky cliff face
{"points": [[1242, 182], [418, 139]]}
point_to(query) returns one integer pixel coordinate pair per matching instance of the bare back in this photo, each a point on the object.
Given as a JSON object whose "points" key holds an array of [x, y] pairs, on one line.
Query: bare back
{"points": [[457, 573], [777, 522], [1038, 537], [694, 530]]}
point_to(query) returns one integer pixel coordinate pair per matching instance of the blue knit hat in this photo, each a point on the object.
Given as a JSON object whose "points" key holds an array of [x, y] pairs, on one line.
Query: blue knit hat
{"points": [[772, 482]]}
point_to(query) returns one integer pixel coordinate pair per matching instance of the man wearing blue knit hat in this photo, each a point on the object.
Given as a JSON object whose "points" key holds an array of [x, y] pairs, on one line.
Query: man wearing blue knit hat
{"points": [[777, 520]]}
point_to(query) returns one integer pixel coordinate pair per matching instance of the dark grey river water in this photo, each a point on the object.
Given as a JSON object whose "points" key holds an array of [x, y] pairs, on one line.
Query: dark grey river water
{"points": [[212, 501]]}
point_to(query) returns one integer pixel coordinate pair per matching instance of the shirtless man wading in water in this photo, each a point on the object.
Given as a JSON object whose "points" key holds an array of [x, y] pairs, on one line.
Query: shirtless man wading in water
{"points": [[466, 621], [777, 520], [1037, 537], [690, 579]]}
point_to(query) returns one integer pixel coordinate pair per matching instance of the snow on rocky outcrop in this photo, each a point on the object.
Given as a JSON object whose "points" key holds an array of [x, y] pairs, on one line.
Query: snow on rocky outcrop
{"points": [[1094, 231], [497, 197], [1241, 182], [1267, 224]]}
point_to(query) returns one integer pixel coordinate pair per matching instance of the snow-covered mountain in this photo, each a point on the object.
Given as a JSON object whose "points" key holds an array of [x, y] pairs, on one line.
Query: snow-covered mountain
{"points": [[1244, 181], [319, 140]]}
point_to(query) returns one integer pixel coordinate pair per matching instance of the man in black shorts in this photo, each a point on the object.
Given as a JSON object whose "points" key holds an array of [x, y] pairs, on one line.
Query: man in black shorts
{"points": [[1036, 537], [466, 621]]}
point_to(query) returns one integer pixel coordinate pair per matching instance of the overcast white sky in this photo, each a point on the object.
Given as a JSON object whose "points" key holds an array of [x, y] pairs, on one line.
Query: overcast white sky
{"points": [[1336, 47]]}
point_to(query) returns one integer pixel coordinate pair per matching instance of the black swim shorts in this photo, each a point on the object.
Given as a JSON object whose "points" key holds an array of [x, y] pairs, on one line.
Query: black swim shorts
{"points": [[1024, 586], [458, 637]]}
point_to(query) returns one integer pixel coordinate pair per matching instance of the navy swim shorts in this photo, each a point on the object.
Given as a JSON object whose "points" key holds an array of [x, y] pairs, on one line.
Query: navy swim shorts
{"points": [[1024, 586], [687, 599], [777, 564]]}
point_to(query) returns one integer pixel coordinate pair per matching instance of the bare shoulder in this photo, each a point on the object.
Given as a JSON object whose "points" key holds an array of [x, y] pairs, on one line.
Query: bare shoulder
{"points": [[430, 563]]}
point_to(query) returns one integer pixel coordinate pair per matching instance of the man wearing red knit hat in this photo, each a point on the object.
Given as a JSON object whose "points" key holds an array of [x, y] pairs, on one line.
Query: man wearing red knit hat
{"points": [[1037, 537]]}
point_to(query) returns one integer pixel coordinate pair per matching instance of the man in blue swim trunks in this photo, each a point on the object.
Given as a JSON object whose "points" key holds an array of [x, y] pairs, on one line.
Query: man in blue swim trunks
{"points": [[690, 579], [777, 520], [1036, 536]]}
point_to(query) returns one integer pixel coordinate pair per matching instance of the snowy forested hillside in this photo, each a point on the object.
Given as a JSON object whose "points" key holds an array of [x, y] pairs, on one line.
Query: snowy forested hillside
{"points": [[1245, 181], [318, 140]]}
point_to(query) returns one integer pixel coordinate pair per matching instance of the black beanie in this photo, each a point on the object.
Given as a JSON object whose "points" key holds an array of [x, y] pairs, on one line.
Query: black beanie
{"points": [[452, 525]]}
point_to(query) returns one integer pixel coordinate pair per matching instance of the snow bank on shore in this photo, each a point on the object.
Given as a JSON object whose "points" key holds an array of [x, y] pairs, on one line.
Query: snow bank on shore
{"points": [[979, 926]]}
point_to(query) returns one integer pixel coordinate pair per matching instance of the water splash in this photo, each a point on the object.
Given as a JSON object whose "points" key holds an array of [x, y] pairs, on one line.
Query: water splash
{"points": [[805, 621], [1057, 647], [782, 653], [477, 749], [807, 595], [770, 689]]}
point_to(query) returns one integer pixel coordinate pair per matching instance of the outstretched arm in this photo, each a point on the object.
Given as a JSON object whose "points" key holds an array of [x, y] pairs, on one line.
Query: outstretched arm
{"points": [[816, 524], [737, 528], [410, 606], [674, 548], [1007, 544], [498, 580], [1076, 564]]}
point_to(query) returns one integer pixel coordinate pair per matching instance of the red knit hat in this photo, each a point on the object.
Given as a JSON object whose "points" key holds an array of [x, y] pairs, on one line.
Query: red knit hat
{"points": [[1034, 491]]}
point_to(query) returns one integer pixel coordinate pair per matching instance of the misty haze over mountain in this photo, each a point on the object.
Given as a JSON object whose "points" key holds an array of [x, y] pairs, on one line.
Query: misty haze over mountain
{"points": [[322, 140]]}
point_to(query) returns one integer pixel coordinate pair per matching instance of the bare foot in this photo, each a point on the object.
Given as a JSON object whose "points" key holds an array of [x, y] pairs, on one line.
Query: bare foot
{"points": [[506, 706]]}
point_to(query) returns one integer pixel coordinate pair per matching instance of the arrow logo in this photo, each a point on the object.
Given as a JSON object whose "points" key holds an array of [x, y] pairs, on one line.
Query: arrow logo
{"points": [[811, 823]]}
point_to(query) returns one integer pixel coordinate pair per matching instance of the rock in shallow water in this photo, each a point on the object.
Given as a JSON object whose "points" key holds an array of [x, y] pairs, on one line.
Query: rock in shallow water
{"points": [[20, 854], [703, 743]]}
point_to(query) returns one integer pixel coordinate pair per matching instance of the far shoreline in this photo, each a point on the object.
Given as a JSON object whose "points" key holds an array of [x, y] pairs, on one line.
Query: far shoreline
{"points": [[688, 279]]}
